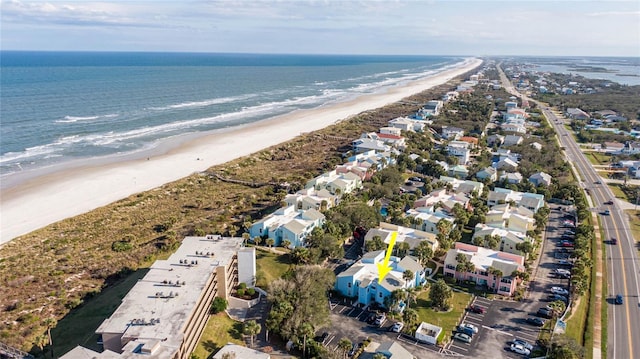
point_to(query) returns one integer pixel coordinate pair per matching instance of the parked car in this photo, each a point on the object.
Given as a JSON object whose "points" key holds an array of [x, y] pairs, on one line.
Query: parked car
{"points": [[380, 319], [462, 337], [416, 179], [519, 349], [561, 271], [322, 337], [371, 318], [353, 350], [477, 309], [471, 327], [397, 327], [536, 321], [564, 262], [524, 343], [619, 299], [545, 313], [566, 244], [466, 330], [559, 290]]}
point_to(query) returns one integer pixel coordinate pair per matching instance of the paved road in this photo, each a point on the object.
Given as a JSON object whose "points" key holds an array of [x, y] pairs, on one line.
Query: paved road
{"points": [[622, 260]]}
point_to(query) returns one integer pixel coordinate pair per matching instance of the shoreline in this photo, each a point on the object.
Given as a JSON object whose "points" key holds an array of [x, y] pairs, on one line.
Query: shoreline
{"points": [[45, 196]]}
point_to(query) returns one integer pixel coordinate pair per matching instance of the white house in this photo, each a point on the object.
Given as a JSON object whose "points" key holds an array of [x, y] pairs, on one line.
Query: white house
{"points": [[540, 179], [407, 124], [411, 236], [464, 186], [460, 150], [336, 183], [511, 140], [515, 219], [308, 198], [367, 144], [432, 108], [450, 132], [506, 164], [288, 223], [511, 177], [508, 239], [489, 173], [513, 127], [530, 201]]}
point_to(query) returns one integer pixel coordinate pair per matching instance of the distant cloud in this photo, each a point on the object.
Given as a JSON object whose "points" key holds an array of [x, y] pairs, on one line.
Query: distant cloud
{"points": [[615, 13]]}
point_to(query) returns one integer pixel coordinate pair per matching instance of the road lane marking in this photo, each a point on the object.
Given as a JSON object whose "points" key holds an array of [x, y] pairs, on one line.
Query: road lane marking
{"points": [[498, 330]]}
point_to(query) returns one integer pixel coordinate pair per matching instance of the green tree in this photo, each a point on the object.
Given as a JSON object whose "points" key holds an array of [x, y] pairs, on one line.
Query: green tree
{"points": [[218, 305], [424, 252], [408, 275], [270, 242], [375, 244], [286, 243], [525, 247], [402, 249], [257, 240], [410, 317], [251, 328], [344, 344], [440, 294], [301, 255]]}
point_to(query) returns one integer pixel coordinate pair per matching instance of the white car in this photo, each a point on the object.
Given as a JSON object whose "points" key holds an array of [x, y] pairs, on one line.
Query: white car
{"points": [[396, 328], [560, 291], [470, 327], [520, 349]]}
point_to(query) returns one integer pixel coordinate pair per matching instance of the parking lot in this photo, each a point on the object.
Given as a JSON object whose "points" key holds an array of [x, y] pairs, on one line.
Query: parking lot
{"points": [[503, 321]]}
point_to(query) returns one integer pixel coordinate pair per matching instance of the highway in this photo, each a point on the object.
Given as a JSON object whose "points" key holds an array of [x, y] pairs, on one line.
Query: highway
{"points": [[622, 263]]}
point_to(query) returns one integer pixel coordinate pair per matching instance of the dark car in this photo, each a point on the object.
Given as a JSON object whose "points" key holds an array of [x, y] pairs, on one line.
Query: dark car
{"points": [[536, 321], [614, 241], [322, 338], [477, 309], [609, 202], [545, 313], [372, 317], [554, 297], [619, 299]]}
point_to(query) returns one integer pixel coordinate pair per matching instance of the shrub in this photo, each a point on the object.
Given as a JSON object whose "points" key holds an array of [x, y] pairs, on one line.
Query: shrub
{"points": [[241, 292], [251, 292], [121, 246], [242, 286], [218, 305]]}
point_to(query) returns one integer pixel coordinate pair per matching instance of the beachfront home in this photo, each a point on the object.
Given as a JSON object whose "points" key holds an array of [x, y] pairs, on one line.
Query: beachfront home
{"points": [[360, 281], [336, 183], [308, 198], [288, 224], [164, 314], [367, 144], [407, 124], [390, 130], [491, 268], [389, 139], [432, 108], [540, 179]]}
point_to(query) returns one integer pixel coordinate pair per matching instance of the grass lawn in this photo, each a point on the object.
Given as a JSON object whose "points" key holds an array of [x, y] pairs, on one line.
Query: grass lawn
{"points": [[598, 158], [79, 326], [576, 324], [270, 266], [634, 223], [446, 320], [219, 331], [615, 188]]}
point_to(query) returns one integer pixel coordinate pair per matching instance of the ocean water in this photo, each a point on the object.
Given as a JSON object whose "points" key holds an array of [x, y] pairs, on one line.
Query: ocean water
{"points": [[57, 107]]}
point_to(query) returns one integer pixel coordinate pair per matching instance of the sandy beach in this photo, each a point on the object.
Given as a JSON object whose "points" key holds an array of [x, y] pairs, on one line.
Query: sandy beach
{"points": [[44, 199]]}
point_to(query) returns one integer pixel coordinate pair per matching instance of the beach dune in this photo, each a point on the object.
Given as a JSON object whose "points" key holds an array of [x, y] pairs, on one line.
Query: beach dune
{"points": [[35, 201]]}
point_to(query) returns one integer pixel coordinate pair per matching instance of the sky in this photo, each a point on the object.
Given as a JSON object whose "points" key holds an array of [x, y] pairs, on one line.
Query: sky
{"points": [[428, 27]]}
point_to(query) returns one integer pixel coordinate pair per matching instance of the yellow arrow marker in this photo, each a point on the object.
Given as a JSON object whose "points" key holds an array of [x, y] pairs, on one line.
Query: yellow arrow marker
{"points": [[383, 268]]}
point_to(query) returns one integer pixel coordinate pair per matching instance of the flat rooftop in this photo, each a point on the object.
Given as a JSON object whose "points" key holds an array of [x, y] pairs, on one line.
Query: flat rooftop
{"points": [[158, 306]]}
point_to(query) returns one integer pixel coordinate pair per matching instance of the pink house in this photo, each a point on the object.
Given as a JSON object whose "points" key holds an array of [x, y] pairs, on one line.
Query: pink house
{"points": [[486, 263]]}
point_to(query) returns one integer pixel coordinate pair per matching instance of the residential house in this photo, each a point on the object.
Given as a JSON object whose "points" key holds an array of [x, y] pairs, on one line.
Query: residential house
{"points": [[458, 171], [452, 133], [451, 95], [511, 177], [464, 186], [530, 201], [515, 219], [506, 164], [485, 262], [489, 173], [445, 200], [308, 198], [540, 179], [511, 140], [411, 236], [576, 114], [513, 127], [407, 124], [389, 130], [613, 147], [336, 183], [392, 140], [360, 281], [509, 240], [432, 108], [460, 150], [288, 223], [374, 161], [472, 141], [496, 140], [426, 219], [537, 146], [511, 104], [367, 144]]}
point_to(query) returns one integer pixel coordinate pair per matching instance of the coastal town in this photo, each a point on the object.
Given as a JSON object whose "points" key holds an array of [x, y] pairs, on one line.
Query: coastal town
{"points": [[468, 202]]}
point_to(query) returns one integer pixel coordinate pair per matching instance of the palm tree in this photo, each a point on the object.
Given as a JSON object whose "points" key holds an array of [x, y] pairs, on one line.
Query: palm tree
{"points": [[245, 238], [408, 276], [270, 242], [50, 323], [257, 240], [306, 330], [402, 249], [379, 356], [252, 328], [286, 243], [344, 344], [410, 317]]}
